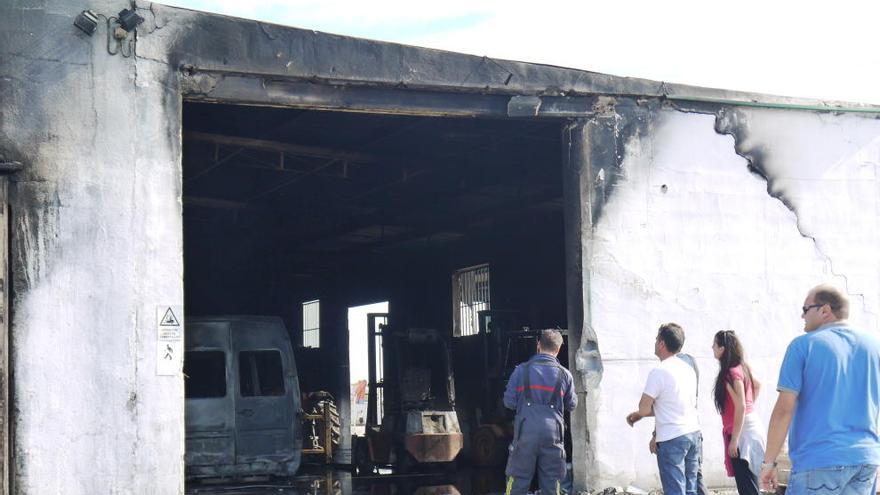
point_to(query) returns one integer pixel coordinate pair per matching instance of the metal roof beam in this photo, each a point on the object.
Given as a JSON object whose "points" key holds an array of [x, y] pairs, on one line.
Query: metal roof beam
{"points": [[280, 147]]}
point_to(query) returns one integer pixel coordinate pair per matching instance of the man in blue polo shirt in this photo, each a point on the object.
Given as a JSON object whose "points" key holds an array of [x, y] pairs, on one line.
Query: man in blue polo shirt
{"points": [[829, 392]]}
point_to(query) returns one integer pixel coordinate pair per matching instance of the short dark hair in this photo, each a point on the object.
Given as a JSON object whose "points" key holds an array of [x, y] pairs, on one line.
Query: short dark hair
{"points": [[672, 336], [834, 298], [550, 340]]}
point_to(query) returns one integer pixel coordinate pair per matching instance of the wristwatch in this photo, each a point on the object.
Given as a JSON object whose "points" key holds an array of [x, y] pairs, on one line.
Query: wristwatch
{"points": [[768, 465]]}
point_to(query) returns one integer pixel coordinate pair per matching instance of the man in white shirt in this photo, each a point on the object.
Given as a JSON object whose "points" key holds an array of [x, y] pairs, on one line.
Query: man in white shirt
{"points": [[670, 396]]}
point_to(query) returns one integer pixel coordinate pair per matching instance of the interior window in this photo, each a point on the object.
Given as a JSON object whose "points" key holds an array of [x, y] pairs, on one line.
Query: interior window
{"points": [[260, 373], [204, 374], [311, 324], [470, 294]]}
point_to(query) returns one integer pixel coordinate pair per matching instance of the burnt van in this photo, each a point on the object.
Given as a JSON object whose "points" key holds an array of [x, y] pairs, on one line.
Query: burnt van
{"points": [[242, 398]]}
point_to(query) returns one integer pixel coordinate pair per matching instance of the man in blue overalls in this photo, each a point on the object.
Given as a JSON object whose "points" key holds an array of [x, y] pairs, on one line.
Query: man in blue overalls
{"points": [[540, 390]]}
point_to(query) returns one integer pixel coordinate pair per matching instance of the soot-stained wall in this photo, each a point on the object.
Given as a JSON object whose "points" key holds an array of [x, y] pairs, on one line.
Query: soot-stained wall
{"points": [[724, 219], [96, 247]]}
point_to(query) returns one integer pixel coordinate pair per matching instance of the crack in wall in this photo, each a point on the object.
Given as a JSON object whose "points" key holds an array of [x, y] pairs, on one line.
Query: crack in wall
{"points": [[96, 120], [151, 59], [154, 24], [265, 29]]}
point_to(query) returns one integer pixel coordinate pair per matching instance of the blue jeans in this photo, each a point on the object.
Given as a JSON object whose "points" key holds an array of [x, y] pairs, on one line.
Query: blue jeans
{"points": [[679, 462], [860, 479]]}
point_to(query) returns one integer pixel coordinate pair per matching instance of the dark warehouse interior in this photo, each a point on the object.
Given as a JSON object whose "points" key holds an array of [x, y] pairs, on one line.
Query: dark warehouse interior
{"points": [[286, 205]]}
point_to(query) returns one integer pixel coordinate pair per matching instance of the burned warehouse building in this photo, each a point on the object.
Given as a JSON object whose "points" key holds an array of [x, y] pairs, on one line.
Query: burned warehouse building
{"points": [[198, 209]]}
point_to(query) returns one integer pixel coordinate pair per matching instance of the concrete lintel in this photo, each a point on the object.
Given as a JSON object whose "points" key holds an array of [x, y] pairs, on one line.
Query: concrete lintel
{"points": [[343, 96], [256, 90]]}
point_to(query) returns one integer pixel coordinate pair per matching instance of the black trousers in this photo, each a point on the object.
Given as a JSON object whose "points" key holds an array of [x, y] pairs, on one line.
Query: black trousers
{"points": [[746, 481]]}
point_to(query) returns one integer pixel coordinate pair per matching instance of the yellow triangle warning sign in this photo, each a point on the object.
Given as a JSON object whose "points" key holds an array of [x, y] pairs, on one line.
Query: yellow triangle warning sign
{"points": [[169, 320]]}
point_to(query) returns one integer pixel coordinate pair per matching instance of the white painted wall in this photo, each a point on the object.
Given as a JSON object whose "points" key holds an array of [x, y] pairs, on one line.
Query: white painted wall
{"points": [[97, 243], [716, 251]]}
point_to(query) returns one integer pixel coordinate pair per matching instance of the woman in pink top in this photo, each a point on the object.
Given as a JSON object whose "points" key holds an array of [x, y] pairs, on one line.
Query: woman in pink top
{"points": [[735, 393]]}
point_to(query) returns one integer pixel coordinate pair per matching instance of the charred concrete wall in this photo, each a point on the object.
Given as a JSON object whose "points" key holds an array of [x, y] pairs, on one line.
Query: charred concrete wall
{"points": [[722, 218], [96, 235]]}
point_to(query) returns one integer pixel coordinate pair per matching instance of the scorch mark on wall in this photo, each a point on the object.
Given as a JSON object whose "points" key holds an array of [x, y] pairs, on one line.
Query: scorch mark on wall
{"points": [[734, 122]]}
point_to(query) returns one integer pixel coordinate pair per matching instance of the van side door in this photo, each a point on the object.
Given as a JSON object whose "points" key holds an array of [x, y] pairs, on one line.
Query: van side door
{"points": [[264, 408]]}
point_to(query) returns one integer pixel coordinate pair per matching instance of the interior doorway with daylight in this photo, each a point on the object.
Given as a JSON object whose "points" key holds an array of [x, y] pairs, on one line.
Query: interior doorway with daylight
{"points": [[358, 361]]}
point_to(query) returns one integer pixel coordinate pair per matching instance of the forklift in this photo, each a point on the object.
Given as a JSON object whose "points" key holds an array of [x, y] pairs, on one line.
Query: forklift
{"points": [[411, 417]]}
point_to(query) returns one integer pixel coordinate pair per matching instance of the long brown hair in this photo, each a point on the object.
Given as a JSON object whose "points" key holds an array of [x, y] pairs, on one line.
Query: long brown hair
{"points": [[731, 357]]}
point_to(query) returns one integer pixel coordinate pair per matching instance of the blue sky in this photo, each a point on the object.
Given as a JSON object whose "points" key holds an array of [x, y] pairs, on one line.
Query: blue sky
{"points": [[795, 48]]}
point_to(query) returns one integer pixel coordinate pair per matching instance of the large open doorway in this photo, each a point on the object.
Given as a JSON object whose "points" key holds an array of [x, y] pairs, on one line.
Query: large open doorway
{"points": [[458, 222]]}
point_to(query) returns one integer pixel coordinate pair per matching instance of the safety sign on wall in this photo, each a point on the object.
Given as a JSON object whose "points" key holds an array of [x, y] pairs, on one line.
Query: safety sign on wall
{"points": [[169, 341]]}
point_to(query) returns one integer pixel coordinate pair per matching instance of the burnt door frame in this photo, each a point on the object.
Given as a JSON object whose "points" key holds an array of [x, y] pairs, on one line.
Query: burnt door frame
{"points": [[585, 144]]}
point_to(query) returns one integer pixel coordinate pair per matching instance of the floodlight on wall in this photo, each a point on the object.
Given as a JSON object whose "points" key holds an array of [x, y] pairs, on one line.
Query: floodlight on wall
{"points": [[87, 22], [129, 19], [118, 29]]}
